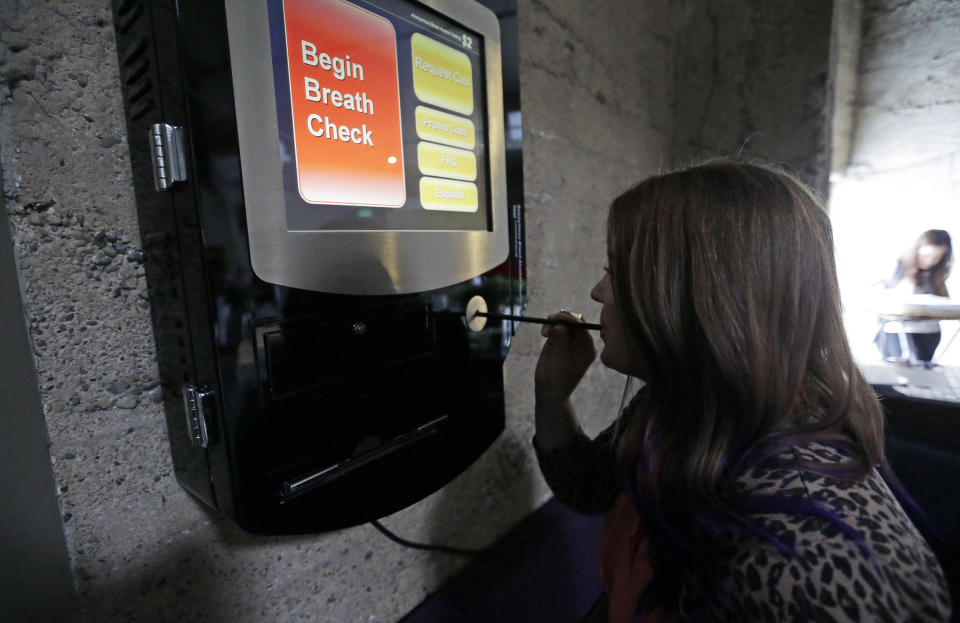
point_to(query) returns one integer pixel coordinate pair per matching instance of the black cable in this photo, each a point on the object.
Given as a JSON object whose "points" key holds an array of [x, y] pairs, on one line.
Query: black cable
{"points": [[430, 548]]}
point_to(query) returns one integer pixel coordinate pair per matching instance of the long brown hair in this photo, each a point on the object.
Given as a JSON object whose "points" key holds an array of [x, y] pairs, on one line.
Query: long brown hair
{"points": [[725, 280], [932, 280]]}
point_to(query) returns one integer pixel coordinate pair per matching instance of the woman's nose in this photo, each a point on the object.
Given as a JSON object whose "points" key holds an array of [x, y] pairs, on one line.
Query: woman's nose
{"points": [[595, 293]]}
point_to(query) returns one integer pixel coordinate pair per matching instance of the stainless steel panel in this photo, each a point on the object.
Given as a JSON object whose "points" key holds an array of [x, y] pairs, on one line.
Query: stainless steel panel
{"points": [[354, 262]]}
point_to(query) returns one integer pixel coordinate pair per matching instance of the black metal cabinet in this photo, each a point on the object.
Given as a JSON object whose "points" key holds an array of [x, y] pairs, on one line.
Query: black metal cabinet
{"points": [[319, 411]]}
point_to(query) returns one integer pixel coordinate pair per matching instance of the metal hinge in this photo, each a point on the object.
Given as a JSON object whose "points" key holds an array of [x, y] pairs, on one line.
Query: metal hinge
{"points": [[166, 150], [194, 403]]}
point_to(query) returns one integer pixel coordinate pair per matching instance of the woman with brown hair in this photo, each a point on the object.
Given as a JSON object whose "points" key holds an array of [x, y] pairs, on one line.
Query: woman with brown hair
{"points": [[923, 269], [746, 480]]}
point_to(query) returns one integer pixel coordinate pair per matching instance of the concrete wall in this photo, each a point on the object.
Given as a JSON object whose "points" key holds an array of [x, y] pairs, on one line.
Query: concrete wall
{"points": [[32, 545], [752, 78], [612, 91], [909, 87], [847, 30]]}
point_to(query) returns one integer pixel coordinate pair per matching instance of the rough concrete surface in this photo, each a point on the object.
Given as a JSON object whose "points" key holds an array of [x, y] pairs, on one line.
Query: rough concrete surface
{"points": [[908, 104], [752, 79]]}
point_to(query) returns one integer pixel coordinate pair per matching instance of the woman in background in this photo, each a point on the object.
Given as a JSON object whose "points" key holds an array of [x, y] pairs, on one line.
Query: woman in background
{"points": [[923, 269], [746, 480]]}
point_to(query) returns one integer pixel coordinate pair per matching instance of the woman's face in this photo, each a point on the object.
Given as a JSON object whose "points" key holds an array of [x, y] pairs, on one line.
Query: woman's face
{"points": [[616, 350], [929, 255]]}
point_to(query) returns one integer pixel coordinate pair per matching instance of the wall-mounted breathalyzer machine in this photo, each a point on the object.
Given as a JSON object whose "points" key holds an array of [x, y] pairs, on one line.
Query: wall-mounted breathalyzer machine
{"points": [[322, 192]]}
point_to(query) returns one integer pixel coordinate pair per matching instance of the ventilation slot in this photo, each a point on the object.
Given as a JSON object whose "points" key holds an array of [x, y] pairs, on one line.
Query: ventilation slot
{"points": [[137, 71], [127, 6], [139, 110], [138, 86], [142, 91], [127, 15], [134, 53]]}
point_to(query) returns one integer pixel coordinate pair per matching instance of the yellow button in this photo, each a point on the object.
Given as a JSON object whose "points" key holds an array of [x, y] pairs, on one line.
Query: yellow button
{"points": [[442, 75], [441, 127], [436, 194], [446, 161]]}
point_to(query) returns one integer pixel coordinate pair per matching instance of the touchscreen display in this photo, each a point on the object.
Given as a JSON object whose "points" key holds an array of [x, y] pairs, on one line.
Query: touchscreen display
{"points": [[382, 117]]}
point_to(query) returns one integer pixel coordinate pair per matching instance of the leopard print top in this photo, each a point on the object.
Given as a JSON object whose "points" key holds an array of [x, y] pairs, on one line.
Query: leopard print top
{"points": [[832, 579]]}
